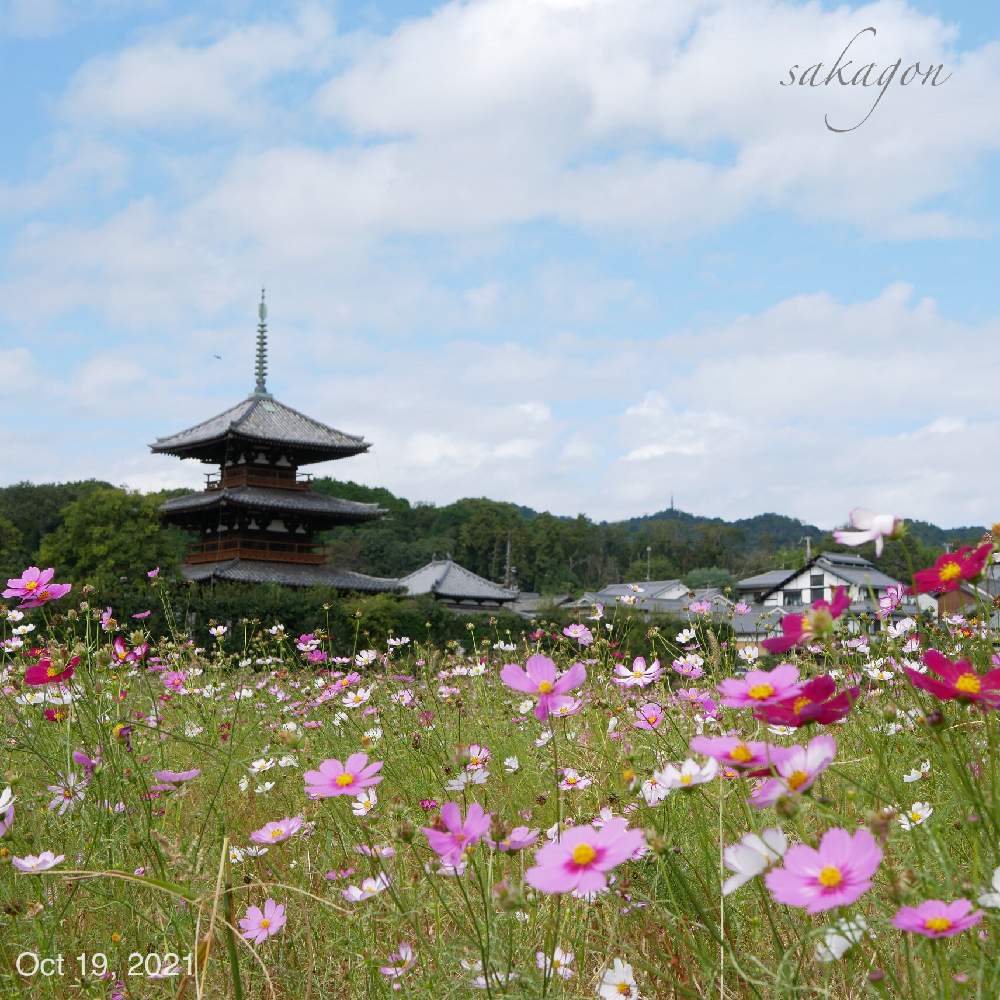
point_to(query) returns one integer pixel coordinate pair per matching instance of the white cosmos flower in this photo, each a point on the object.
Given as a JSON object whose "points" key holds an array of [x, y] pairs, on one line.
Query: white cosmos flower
{"points": [[560, 964], [368, 888], [31, 863], [917, 773], [652, 791], [465, 778], [689, 774], [753, 855], [264, 787], [261, 765], [511, 764], [364, 803], [915, 815], [992, 899], [685, 636], [7, 799], [356, 698], [840, 937], [618, 982]]}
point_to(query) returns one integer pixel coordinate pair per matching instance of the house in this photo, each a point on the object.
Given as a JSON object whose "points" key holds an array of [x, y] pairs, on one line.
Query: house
{"points": [[655, 597], [457, 587]]}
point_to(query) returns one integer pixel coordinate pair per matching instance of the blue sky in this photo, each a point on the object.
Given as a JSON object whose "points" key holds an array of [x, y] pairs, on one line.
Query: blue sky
{"points": [[579, 254]]}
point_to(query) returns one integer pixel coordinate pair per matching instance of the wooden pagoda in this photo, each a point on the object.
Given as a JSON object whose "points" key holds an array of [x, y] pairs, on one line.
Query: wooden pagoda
{"points": [[257, 517]]}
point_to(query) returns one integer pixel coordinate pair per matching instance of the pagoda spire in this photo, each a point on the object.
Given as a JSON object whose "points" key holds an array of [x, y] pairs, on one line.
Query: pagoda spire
{"points": [[260, 368]]}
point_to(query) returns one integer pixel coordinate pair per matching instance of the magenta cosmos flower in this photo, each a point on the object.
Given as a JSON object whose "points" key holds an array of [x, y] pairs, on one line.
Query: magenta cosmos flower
{"points": [[581, 859], [540, 678], [797, 769], [818, 701], [936, 919], [459, 835], [761, 687], [836, 874], [276, 832], [177, 777], [813, 624], [31, 579], [958, 680], [260, 924], [47, 672], [349, 778]]}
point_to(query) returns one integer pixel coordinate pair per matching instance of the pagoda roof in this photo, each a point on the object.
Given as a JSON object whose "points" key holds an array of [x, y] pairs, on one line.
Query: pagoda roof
{"points": [[261, 419], [289, 575], [309, 502], [446, 579]]}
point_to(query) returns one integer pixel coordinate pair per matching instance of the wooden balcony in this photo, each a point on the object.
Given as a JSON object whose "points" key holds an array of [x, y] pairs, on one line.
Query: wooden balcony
{"points": [[305, 553], [248, 475]]}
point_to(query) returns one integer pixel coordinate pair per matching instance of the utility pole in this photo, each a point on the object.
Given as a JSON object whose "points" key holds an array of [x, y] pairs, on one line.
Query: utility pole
{"points": [[649, 549], [808, 542], [506, 573]]}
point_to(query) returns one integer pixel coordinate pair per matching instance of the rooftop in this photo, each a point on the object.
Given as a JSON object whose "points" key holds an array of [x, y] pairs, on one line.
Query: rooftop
{"points": [[289, 575], [309, 502], [445, 578]]}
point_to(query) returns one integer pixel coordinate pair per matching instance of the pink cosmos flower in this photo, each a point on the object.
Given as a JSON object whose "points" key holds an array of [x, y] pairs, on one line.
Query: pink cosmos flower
{"points": [[400, 963], [459, 835], [741, 608], [648, 716], [761, 687], [177, 777], [153, 573], [258, 925], [890, 600], [349, 778], [934, 918], [869, 527], [31, 864], [700, 607], [751, 755], [31, 580], [580, 860], [797, 770], [836, 874], [815, 623], [639, 674], [539, 677], [517, 840], [276, 832], [581, 633]]}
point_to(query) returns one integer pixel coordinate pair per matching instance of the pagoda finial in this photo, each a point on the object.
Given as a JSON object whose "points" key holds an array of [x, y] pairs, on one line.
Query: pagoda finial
{"points": [[260, 368]]}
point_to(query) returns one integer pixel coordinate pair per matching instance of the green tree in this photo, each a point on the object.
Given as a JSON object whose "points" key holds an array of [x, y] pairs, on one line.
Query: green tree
{"points": [[13, 552], [109, 535], [709, 576]]}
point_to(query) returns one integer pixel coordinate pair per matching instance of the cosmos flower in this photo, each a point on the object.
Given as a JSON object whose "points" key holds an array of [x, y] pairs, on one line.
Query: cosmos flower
{"points": [[581, 633], [558, 965], [890, 600], [34, 588], [177, 777], [276, 832], [918, 813], [582, 857], [835, 874], [752, 856], [816, 623], [817, 701], [459, 835], [952, 569], [869, 527], [572, 781], [47, 672], [958, 680], [759, 687], [992, 899], [639, 674], [540, 678], [369, 887], [260, 924], [517, 840], [7, 800], [838, 939], [349, 778], [796, 771], [399, 963], [934, 918], [618, 982], [31, 864], [648, 716], [732, 751]]}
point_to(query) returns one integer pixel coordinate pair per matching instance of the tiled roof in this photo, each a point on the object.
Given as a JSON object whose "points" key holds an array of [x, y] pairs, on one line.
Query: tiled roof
{"points": [[288, 574], [262, 418], [259, 498], [445, 578], [768, 579]]}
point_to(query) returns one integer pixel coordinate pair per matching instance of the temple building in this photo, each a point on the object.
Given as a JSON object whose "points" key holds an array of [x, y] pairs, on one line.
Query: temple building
{"points": [[257, 517]]}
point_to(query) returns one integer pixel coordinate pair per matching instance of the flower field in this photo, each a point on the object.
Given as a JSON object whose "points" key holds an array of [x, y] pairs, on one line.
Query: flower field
{"points": [[295, 816]]}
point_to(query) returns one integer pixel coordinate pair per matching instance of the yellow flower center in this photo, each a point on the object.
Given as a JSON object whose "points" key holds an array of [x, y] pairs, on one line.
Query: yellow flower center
{"points": [[685, 779], [969, 682], [545, 687], [264, 924], [949, 571], [624, 989], [651, 719], [800, 703], [760, 691], [741, 753], [796, 780], [277, 832], [830, 877], [31, 585], [345, 779], [915, 816], [937, 924], [53, 670], [583, 854]]}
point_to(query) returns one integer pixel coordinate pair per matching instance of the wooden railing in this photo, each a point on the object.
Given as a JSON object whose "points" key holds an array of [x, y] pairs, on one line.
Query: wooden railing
{"points": [[245, 475], [247, 548]]}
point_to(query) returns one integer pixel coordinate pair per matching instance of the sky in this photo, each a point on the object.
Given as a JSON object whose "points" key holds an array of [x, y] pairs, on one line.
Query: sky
{"points": [[583, 255]]}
